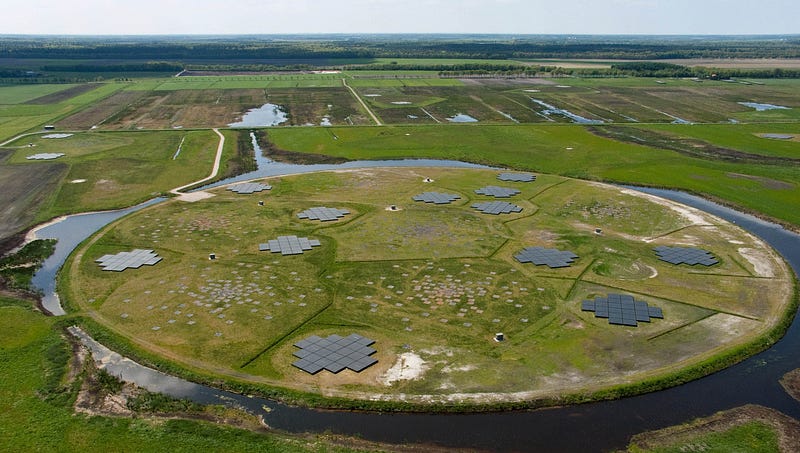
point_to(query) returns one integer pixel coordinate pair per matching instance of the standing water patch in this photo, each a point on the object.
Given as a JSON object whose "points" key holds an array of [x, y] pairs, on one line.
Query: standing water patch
{"points": [[462, 118], [762, 107], [266, 115]]}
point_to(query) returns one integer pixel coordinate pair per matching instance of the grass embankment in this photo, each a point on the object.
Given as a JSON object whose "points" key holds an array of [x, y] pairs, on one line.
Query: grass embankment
{"points": [[748, 428], [439, 279], [36, 400], [567, 150]]}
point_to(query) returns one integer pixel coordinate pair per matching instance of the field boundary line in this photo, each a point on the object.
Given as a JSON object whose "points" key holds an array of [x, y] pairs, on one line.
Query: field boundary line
{"points": [[676, 301], [669, 331]]}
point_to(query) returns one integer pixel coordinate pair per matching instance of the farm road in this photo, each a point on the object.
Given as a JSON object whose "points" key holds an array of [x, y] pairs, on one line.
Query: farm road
{"points": [[363, 104], [214, 170]]}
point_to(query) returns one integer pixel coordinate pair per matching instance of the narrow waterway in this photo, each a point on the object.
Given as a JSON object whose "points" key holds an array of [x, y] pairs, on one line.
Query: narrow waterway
{"points": [[590, 427]]}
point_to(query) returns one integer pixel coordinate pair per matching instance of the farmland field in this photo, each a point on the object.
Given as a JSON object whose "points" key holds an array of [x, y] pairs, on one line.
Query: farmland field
{"points": [[19, 94], [16, 117], [420, 97], [106, 171], [432, 284]]}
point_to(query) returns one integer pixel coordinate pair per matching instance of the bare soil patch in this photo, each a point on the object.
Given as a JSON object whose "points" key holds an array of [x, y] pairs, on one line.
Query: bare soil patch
{"points": [[63, 95], [768, 183], [101, 111], [787, 427], [760, 261], [23, 191]]}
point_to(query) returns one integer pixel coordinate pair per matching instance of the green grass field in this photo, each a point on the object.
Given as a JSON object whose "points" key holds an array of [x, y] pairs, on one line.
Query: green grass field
{"points": [[434, 282]]}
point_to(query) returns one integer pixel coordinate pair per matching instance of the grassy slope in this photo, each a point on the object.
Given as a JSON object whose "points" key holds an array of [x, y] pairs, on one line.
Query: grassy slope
{"points": [[755, 436], [544, 149], [31, 360]]}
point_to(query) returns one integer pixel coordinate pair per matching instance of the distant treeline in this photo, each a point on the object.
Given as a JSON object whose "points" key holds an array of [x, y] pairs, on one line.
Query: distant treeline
{"points": [[399, 46], [151, 66], [630, 69]]}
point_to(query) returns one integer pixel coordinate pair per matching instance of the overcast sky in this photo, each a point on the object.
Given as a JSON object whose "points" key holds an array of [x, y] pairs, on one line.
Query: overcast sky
{"points": [[86, 17]]}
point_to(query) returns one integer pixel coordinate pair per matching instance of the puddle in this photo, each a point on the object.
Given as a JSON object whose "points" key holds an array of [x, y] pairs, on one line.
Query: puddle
{"points": [[763, 107], [553, 110], [462, 118], [56, 135], [266, 115], [778, 136]]}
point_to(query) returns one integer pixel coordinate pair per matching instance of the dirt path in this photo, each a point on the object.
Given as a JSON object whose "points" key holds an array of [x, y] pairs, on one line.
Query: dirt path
{"points": [[363, 104], [214, 170]]}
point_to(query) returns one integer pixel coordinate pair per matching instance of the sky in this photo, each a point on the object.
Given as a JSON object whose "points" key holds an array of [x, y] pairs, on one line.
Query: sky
{"points": [[143, 17]]}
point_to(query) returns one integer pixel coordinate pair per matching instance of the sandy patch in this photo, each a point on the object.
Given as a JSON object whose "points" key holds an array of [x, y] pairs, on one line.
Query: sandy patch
{"points": [[762, 263], [450, 369], [191, 197], [409, 366], [575, 325], [727, 327], [694, 216]]}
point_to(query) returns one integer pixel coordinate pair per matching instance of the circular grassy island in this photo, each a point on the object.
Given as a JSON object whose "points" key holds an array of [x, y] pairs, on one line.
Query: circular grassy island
{"points": [[432, 284]]}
